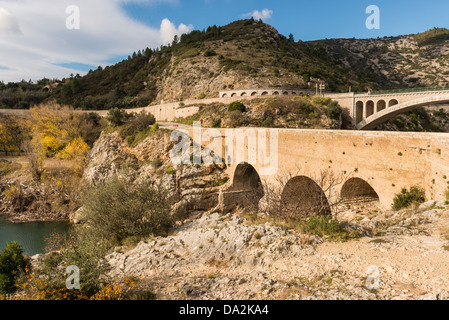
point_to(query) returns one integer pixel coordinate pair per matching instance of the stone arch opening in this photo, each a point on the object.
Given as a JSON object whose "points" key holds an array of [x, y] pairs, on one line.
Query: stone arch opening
{"points": [[225, 95], [276, 93], [359, 111], [358, 190], [304, 197], [243, 94], [265, 93], [393, 102], [369, 108], [293, 93], [234, 95], [381, 105], [254, 94], [285, 93], [247, 187]]}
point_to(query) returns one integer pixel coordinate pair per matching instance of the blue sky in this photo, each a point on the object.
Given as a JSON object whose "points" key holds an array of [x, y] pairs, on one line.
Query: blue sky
{"points": [[307, 20], [35, 41]]}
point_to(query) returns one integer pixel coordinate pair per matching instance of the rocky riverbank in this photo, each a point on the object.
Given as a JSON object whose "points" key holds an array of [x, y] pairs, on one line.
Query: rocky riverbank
{"points": [[403, 255]]}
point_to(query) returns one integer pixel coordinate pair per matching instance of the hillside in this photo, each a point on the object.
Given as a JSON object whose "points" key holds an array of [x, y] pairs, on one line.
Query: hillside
{"points": [[393, 62], [245, 53]]}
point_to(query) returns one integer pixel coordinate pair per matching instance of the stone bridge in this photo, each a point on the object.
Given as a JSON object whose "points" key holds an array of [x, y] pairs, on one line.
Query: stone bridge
{"points": [[320, 166]]}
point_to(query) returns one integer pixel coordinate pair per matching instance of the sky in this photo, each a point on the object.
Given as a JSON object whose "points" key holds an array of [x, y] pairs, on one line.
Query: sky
{"points": [[55, 38]]}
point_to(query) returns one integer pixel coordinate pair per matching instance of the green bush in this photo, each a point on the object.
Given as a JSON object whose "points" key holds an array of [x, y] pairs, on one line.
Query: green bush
{"points": [[210, 53], [12, 265], [408, 197], [138, 122], [117, 117], [201, 96], [237, 106], [333, 111], [321, 101], [118, 209]]}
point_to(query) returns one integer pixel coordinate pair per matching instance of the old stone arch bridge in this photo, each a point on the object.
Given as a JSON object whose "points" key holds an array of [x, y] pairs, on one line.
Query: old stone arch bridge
{"points": [[373, 166], [366, 110]]}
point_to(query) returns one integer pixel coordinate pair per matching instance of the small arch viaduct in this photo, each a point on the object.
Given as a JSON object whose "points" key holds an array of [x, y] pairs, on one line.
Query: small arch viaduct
{"points": [[374, 165]]}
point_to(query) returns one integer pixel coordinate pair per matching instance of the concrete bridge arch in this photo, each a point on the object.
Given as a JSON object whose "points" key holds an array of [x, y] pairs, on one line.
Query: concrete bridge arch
{"points": [[370, 121]]}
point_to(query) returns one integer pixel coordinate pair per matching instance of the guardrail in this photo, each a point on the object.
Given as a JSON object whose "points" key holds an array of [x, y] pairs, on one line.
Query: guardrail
{"points": [[424, 89]]}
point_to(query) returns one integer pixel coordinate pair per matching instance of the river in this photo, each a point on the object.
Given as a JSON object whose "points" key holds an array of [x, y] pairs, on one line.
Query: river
{"points": [[31, 236]]}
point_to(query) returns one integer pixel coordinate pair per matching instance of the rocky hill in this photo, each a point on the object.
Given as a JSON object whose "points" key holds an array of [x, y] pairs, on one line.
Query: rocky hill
{"points": [[393, 62], [243, 54]]}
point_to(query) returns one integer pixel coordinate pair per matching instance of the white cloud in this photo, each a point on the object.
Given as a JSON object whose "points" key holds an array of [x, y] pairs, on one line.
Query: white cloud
{"points": [[169, 30], [42, 42], [265, 14], [8, 23]]}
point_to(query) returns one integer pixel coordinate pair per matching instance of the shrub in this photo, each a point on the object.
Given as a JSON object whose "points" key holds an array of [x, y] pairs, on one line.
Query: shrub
{"points": [[13, 264], [201, 96], [333, 110], [117, 117], [237, 106], [408, 197], [210, 53], [138, 122], [118, 209], [321, 101], [141, 121], [155, 127]]}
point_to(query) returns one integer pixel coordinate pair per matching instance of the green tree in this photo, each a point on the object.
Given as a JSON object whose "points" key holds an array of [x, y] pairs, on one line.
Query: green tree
{"points": [[13, 264], [117, 117], [237, 106], [75, 85]]}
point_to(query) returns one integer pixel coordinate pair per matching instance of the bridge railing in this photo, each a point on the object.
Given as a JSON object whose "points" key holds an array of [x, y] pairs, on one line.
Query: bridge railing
{"points": [[424, 89]]}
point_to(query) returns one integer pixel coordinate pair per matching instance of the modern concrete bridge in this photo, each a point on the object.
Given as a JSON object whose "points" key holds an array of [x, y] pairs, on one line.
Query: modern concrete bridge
{"points": [[366, 110]]}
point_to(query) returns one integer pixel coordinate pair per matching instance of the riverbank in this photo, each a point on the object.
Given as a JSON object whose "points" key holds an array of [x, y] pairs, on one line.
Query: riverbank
{"points": [[25, 200], [404, 255]]}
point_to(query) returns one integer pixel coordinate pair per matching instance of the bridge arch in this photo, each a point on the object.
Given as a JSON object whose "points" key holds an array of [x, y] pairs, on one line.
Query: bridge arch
{"points": [[247, 186], [225, 95], [233, 94], [265, 93], [392, 103], [275, 93], [359, 111], [369, 108], [254, 94], [395, 109], [357, 189], [304, 197], [243, 94], [381, 105], [285, 93]]}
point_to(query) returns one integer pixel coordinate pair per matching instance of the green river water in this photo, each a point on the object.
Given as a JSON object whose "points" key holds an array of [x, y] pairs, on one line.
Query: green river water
{"points": [[31, 236]]}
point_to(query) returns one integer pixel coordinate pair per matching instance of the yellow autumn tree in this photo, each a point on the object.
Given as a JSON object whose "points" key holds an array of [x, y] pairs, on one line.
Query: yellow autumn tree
{"points": [[76, 151], [57, 132]]}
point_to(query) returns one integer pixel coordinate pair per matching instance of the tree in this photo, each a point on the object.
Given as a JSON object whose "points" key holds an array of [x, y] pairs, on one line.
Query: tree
{"points": [[291, 38], [117, 117], [75, 86], [13, 264], [13, 132]]}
